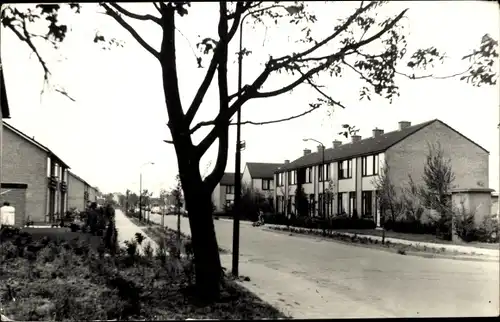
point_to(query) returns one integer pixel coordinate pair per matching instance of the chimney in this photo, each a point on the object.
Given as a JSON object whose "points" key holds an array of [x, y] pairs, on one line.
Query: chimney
{"points": [[287, 161], [356, 138], [307, 151], [404, 124], [320, 148], [377, 132], [336, 144]]}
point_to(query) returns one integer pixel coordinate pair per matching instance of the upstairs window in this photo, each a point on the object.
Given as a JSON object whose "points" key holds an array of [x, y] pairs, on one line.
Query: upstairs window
{"points": [[345, 169]]}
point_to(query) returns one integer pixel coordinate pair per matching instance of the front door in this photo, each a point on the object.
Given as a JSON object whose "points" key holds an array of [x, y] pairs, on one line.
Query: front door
{"points": [[352, 202]]}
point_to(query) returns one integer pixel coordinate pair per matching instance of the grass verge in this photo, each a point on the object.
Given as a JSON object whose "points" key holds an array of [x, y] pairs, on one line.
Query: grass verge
{"points": [[364, 241], [70, 278]]}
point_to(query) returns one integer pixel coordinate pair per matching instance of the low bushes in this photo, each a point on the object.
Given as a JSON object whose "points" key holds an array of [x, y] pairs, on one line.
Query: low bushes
{"points": [[313, 223], [47, 279]]}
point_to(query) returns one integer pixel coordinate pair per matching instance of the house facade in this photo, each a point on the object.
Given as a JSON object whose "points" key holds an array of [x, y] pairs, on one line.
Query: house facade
{"points": [[260, 177], [350, 169], [80, 192], [223, 194], [27, 163]]}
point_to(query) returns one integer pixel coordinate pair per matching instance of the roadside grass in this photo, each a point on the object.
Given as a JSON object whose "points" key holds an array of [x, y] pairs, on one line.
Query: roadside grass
{"points": [[155, 231], [364, 241], [73, 278], [427, 238]]}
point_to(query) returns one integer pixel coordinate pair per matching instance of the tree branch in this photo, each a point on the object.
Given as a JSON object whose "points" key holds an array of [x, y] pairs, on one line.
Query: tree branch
{"points": [[320, 44], [202, 90], [214, 177], [157, 6], [433, 76], [330, 59], [134, 15], [131, 30]]}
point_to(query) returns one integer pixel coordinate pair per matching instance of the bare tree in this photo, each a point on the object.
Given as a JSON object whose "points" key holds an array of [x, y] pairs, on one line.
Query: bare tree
{"points": [[349, 46], [387, 198], [435, 194], [411, 201], [177, 193]]}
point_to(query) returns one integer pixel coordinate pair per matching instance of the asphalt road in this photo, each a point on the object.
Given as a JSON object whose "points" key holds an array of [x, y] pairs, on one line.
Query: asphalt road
{"points": [[396, 285]]}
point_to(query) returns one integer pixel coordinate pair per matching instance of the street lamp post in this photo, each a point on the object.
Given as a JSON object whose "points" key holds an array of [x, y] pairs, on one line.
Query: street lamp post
{"points": [[322, 174], [237, 170], [140, 188]]}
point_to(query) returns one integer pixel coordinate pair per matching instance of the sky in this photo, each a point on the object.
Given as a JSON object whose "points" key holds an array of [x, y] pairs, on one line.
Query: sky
{"points": [[117, 124]]}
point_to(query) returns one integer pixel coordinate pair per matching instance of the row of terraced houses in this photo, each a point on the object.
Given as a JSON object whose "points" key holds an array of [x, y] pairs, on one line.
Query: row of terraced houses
{"points": [[34, 179], [349, 170]]}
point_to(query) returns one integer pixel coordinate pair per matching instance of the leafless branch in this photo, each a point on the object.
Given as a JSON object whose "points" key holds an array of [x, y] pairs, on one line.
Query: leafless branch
{"points": [[190, 45], [211, 123], [347, 23], [359, 73], [433, 76], [130, 29], [157, 7], [134, 15]]}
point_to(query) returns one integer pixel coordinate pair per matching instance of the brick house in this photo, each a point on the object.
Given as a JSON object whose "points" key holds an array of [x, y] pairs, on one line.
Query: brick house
{"points": [[351, 168], [79, 192], [28, 163], [4, 114], [260, 176], [223, 194]]}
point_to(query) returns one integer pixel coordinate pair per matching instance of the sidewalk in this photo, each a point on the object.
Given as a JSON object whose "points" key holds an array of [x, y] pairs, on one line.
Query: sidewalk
{"points": [[127, 230], [459, 248]]}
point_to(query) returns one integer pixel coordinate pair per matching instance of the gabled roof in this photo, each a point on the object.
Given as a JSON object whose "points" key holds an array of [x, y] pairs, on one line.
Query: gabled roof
{"points": [[363, 147], [227, 179], [4, 103], [259, 170], [35, 143], [79, 178]]}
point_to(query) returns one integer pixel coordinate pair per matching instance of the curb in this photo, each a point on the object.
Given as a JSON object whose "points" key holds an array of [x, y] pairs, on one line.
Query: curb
{"points": [[475, 256]]}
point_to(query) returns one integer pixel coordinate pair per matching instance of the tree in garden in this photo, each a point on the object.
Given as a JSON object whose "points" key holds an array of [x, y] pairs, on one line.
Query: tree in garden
{"points": [[349, 46], [177, 196], [387, 199], [411, 201], [435, 194], [301, 203]]}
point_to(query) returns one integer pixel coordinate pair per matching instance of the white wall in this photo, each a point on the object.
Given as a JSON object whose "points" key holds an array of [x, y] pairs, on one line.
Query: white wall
{"points": [[246, 178], [346, 185], [367, 183]]}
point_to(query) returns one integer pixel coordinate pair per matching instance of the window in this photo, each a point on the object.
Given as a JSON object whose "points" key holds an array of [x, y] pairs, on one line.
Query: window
{"points": [[292, 177], [370, 165], [345, 169], [280, 179], [309, 175], [352, 204], [229, 203], [320, 204], [366, 203], [311, 205], [324, 172], [230, 190], [341, 209], [266, 184]]}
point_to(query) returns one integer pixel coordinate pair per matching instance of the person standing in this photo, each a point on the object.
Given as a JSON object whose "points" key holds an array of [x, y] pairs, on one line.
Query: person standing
{"points": [[7, 215]]}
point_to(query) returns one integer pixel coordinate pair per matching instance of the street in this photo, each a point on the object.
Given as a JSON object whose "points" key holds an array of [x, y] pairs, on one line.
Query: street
{"points": [[355, 281]]}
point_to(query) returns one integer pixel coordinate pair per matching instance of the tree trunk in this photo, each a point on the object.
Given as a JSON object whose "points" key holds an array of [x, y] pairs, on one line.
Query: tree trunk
{"points": [[205, 248]]}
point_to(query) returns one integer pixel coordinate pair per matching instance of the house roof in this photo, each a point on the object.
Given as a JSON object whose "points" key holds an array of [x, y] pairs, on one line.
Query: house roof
{"points": [[227, 179], [366, 146], [79, 178], [36, 143], [352, 149], [4, 103], [259, 170]]}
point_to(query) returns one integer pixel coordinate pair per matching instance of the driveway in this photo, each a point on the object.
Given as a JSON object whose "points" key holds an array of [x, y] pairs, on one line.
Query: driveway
{"points": [[352, 281]]}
